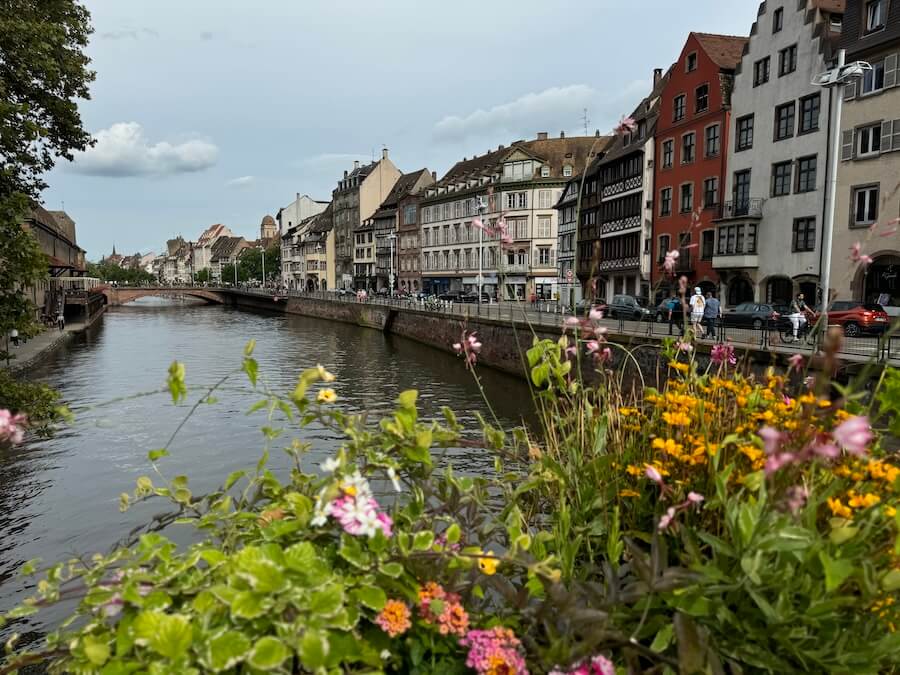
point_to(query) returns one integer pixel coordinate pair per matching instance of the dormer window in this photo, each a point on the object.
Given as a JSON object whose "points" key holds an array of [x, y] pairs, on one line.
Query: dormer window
{"points": [[567, 170], [545, 171], [518, 170]]}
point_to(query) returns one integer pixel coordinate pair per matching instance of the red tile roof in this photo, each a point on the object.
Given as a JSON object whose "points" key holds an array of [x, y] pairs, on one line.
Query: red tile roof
{"points": [[724, 50]]}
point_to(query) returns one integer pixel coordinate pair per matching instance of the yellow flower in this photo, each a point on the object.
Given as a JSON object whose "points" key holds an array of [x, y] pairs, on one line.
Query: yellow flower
{"points": [[635, 470], [324, 375], [326, 396], [488, 566], [629, 493], [890, 511], [838, 509], [862, 501], [668, 446], [676, 419], [680, 367]]}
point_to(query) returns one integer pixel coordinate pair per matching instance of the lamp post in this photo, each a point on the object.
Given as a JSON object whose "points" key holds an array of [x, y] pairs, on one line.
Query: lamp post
{"points": [[481, 207], [263, 248], [392, 237], [840, 75]]}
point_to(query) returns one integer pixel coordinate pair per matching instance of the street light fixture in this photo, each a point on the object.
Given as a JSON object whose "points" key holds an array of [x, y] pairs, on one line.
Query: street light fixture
{"points": [[392, 237], [481, 208], [840, 75]]}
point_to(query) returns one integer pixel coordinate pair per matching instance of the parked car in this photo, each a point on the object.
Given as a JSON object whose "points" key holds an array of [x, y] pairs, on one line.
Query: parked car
{"points": [[755, 315], [858, 318], [585, 305], [472, 297], [628, 307]]}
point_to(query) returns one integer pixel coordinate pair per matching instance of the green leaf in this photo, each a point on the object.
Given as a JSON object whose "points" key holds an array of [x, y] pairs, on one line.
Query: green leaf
{"points": [[351, 551], [313, 649], [96, 649], [327, 601], [175, 381], [247, 605], [169, 635], [268, 653], [423, 541], [300, 556], [233, 478], [226, 650], [540, 374], [891, 581], [836, 571], [251, 367], [839, 535], [371, 597], [249, 347], [154, 455], [407, 399], [392, 569], [663, 638], [453, 534]]}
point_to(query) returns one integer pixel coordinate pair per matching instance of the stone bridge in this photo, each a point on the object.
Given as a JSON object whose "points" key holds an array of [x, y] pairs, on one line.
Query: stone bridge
{"points": [[119, 295]]}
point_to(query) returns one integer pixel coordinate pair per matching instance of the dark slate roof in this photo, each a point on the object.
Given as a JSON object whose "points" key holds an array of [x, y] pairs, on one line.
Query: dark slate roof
{"points": [[724, 50], [225, 247], [325, 221], [402, 188]]}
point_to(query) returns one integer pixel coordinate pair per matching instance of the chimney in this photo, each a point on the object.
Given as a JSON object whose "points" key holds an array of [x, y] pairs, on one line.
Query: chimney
{"points": [[345, 173], [542, 136], [562, 134], [355, 164], [597, 133], [657, 76], [298, 196], [384, 153], [500, 147], [434, 175]]}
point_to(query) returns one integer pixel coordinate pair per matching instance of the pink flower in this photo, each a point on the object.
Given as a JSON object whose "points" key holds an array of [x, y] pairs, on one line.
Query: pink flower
{"points": [[604, 355], [457, 347], [506, 239], [796, 498], [670, 261], [595, 314], [684, 346], [695, 497], [469, 346], [667, 518], [722, 353], [797, 361], [775, 462], [626, 125], [598, 665], [809, 382], [496, 650], [653, 474], [857, 256], [593, 346], [477, 222], [12, 427], [572, 321], [854, 435], [772, 439], [825, 449]]}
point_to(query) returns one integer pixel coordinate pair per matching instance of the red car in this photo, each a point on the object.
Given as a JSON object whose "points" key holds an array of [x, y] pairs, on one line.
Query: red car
{"points": [[858, 317]]}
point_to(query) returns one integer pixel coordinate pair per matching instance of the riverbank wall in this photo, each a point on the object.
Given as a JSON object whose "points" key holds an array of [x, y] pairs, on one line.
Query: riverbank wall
{"points": [[40, 347]]}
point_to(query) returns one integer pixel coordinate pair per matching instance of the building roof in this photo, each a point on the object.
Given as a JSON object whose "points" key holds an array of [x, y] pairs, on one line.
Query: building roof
{"points": [[324, 221], [724, 50], [226, 247], [402, 188], [213, 232]]}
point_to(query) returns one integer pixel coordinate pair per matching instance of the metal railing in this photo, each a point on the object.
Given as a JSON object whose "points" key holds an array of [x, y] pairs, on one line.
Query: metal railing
{"points": [[74, 283], [742, 208]]}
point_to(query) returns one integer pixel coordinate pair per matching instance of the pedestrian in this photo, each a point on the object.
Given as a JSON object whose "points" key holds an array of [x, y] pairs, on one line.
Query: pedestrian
{"points": [[674, 307], [798, 315], [712, 311], [14, 336], [61, 321], [698, 305]]}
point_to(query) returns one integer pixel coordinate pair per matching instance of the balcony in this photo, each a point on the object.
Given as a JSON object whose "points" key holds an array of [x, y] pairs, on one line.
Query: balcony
{"points": [[744, 208], [631, 262], [622, 186], [614, 227], [737, 261], [514, 269]]}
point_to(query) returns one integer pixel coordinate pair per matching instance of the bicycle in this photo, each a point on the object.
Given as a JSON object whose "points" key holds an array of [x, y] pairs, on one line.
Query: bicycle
{"points": [[806, 332]]}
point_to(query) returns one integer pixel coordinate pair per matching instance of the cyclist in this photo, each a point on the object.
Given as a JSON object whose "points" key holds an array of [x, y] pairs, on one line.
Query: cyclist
{"points": [[798, 315]]}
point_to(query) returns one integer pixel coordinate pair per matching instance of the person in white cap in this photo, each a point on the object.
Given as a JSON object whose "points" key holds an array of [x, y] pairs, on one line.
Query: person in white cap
{"points": [[698, 304]]}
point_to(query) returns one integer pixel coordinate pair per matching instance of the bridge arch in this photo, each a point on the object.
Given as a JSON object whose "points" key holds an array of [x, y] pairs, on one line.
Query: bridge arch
{"points": [[122, 295]]}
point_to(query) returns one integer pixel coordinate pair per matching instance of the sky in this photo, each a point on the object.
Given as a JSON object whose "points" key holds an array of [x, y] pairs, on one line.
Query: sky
{"points": [[221, 111]]}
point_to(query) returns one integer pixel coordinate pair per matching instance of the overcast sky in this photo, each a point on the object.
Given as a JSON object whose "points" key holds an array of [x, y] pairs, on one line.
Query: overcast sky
{"points": [[213, 111]]}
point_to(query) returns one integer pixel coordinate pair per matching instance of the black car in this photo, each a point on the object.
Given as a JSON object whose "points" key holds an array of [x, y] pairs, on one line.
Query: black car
{"points": [[628, 307], [755, 315], [586, 304]]}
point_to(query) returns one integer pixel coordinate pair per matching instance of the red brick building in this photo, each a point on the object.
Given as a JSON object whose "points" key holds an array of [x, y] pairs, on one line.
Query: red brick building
{"points": [[691, 150]]}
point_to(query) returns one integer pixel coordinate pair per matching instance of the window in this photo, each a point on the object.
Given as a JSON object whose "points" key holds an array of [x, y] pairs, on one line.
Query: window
{"points": [[691, 62], [688, 143], [873, 80], [737, 239], [687, 197], [868, 140], [778, 20], [781, 179], [409, 215], [787, 60], [567, 170], [544, 199], [642, 129], [702, 98], [543, 227], [707, 244], [710, 192], [665, 202], [678, 108], [761, 71], [544, 256], [745, 132], [865, 205], [806, 174], [741, 192], [809, 113], [664, 243], [668, 152], [784, 121], [875, 15], [545, 171], [518, 170], [712, 140], [804, 238], [517, 200]]}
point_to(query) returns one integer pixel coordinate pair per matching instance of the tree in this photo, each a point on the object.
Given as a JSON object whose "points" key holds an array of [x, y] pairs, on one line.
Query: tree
{"points": [[132, 276], [228, 274], [203, 276], [251, 263]]}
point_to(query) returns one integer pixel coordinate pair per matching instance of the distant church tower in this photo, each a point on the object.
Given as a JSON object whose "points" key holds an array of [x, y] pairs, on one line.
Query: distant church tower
{"points": [[268, 228]]}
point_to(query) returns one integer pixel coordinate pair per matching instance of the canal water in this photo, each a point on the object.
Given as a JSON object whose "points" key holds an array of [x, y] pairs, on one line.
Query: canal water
{"points": [[59, 497]]}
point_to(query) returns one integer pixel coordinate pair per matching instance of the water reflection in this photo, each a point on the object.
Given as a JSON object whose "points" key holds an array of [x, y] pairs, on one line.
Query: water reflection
{"points": [[59, 497]]}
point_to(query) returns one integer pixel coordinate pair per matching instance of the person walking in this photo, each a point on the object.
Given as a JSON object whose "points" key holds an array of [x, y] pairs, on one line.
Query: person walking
{"points": [[14, 336], [712, 312], [698, 306], [674, 307], [61, 321]]}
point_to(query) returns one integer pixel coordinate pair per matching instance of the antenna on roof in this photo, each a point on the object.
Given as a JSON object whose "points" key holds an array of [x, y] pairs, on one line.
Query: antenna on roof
{"points": [[586, 121]]}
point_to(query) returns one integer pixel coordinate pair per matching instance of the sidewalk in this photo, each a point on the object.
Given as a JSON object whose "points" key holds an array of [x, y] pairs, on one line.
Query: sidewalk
{"points": [[29, 354]]}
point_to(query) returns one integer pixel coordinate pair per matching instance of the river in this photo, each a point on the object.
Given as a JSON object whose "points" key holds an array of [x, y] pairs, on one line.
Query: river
{"points": [[59, 497]]}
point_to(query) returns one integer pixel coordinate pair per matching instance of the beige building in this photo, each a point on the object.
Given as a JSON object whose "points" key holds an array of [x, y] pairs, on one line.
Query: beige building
{"points": [[356, 198], [869, 173]]}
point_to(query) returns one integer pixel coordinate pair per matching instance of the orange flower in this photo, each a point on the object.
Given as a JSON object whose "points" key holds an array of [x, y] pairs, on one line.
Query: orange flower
{"points": [[394, 618]]}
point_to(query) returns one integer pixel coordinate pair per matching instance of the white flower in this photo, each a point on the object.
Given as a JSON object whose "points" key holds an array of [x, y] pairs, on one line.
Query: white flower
{"points": [[385, 654], [319, 519], [356, 485], [330, 465], [393, 476]]}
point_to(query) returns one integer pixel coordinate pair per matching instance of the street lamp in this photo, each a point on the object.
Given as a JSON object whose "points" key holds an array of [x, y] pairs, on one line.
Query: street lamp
{"points": [[263, 248], [838, 76], [481, 208], [392, 237]]}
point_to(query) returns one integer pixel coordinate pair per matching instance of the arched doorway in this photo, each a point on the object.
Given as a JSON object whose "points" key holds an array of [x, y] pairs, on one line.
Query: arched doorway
{"points": [[310, 284], [739, 290], [881, 281], [779, 291], [809, 287]]}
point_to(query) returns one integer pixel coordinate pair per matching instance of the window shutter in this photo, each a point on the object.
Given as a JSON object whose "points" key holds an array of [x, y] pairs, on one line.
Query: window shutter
{"points": [[850, 91], [847, 145], [895, 143], [890, 71], [886, 136]]}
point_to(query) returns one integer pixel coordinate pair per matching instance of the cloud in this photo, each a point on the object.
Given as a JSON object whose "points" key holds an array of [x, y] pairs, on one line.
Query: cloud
{"points": [[548, 110], [207, 35], [242, 182], [129, 34], [330, 161], [123, 150]]}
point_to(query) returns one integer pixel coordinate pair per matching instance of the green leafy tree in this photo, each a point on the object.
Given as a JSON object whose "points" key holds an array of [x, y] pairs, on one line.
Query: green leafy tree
{"points": [[252, 266], [203, 276], [123, 275], [228, 273]]}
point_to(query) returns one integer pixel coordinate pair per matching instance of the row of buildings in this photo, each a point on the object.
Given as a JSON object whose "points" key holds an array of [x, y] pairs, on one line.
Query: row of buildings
{"points": [[726, 160]]}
